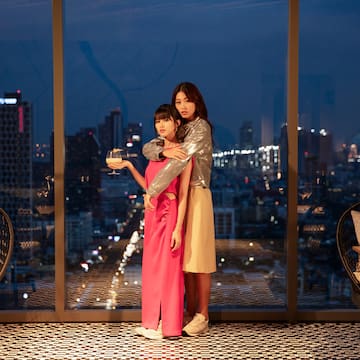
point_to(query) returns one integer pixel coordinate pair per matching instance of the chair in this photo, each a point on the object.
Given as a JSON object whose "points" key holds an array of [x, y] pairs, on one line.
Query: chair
{"points": [[348, 244], [6, 241]]}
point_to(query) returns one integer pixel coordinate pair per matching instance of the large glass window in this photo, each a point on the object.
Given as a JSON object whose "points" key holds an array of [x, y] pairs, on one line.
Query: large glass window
{"points": [[26, 176], [328, 148], [122, 60]]}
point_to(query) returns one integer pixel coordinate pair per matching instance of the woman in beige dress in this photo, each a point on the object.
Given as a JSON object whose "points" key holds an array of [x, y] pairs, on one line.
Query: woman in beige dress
{"points": [[199, 256]]}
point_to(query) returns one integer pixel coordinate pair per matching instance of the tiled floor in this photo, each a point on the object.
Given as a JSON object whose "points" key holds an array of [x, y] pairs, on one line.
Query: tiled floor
{"points": [[224, 341]]}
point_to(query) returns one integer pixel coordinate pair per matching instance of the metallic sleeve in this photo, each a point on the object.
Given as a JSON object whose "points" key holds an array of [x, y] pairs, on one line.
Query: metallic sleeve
{"points": [[152, 149], [197, 139], [194, 141]]}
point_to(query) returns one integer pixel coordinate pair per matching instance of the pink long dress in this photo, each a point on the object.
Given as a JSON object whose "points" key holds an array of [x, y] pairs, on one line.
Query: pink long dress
{"points": [[162, 275]]}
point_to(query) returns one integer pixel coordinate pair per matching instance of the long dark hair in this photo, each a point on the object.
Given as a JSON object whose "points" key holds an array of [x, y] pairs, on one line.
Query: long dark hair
{"points": [[165, 111], [194, 95]]}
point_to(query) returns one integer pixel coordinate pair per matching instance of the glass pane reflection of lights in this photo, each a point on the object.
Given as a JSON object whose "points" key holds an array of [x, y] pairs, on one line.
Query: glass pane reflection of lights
{"points": [[117, 73], [328, 149], [26, 176]]}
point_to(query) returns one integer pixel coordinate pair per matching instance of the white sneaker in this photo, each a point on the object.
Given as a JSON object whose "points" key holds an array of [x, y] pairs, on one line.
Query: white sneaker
{"points": [[149, 333], [139, 330], [152, 334], [198, 325]]}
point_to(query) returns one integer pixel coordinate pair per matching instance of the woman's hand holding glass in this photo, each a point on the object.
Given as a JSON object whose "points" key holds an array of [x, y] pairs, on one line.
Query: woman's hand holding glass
{"points": [[119, 164], [114, 160]]}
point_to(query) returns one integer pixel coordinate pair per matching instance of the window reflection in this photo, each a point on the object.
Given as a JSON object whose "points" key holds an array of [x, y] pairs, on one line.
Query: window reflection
{"points": [[328, 144], [119, 67], [115, 79], [26, 176]]}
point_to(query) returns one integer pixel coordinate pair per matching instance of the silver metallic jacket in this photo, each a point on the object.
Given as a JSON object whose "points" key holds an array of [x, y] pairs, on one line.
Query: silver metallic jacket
{"points": [[197, 144]]}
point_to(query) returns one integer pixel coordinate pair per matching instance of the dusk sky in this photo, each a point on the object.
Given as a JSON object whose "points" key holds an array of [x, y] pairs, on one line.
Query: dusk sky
{"points": [[131, 54]]}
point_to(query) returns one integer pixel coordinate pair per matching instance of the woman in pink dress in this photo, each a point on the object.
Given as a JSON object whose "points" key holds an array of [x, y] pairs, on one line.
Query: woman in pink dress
{"points": [[200, 249], [162, 275]]}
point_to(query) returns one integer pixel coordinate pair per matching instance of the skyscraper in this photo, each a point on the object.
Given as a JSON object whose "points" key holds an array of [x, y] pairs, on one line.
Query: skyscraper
{"points": [[247, 136], [83, 168], [272, 107], [111, 132]]}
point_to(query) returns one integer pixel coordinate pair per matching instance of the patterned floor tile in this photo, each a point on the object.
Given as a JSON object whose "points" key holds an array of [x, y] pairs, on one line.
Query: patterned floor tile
{"points": [[102, 341]]}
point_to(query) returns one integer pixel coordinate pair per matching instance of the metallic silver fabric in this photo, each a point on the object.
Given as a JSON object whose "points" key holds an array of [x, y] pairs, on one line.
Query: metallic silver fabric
{"points": [[197, 144]]}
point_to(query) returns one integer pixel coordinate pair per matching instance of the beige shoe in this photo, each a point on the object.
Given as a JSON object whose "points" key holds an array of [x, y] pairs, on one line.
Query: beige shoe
{"points": [[198, 325]]}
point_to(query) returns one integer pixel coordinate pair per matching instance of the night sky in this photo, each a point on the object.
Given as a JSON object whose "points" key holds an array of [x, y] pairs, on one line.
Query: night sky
{"points": [[131, 54]]}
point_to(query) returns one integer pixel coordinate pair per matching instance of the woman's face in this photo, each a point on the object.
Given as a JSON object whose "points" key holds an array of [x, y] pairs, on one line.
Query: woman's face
{"points": [[184, 106], [166, 127]]}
